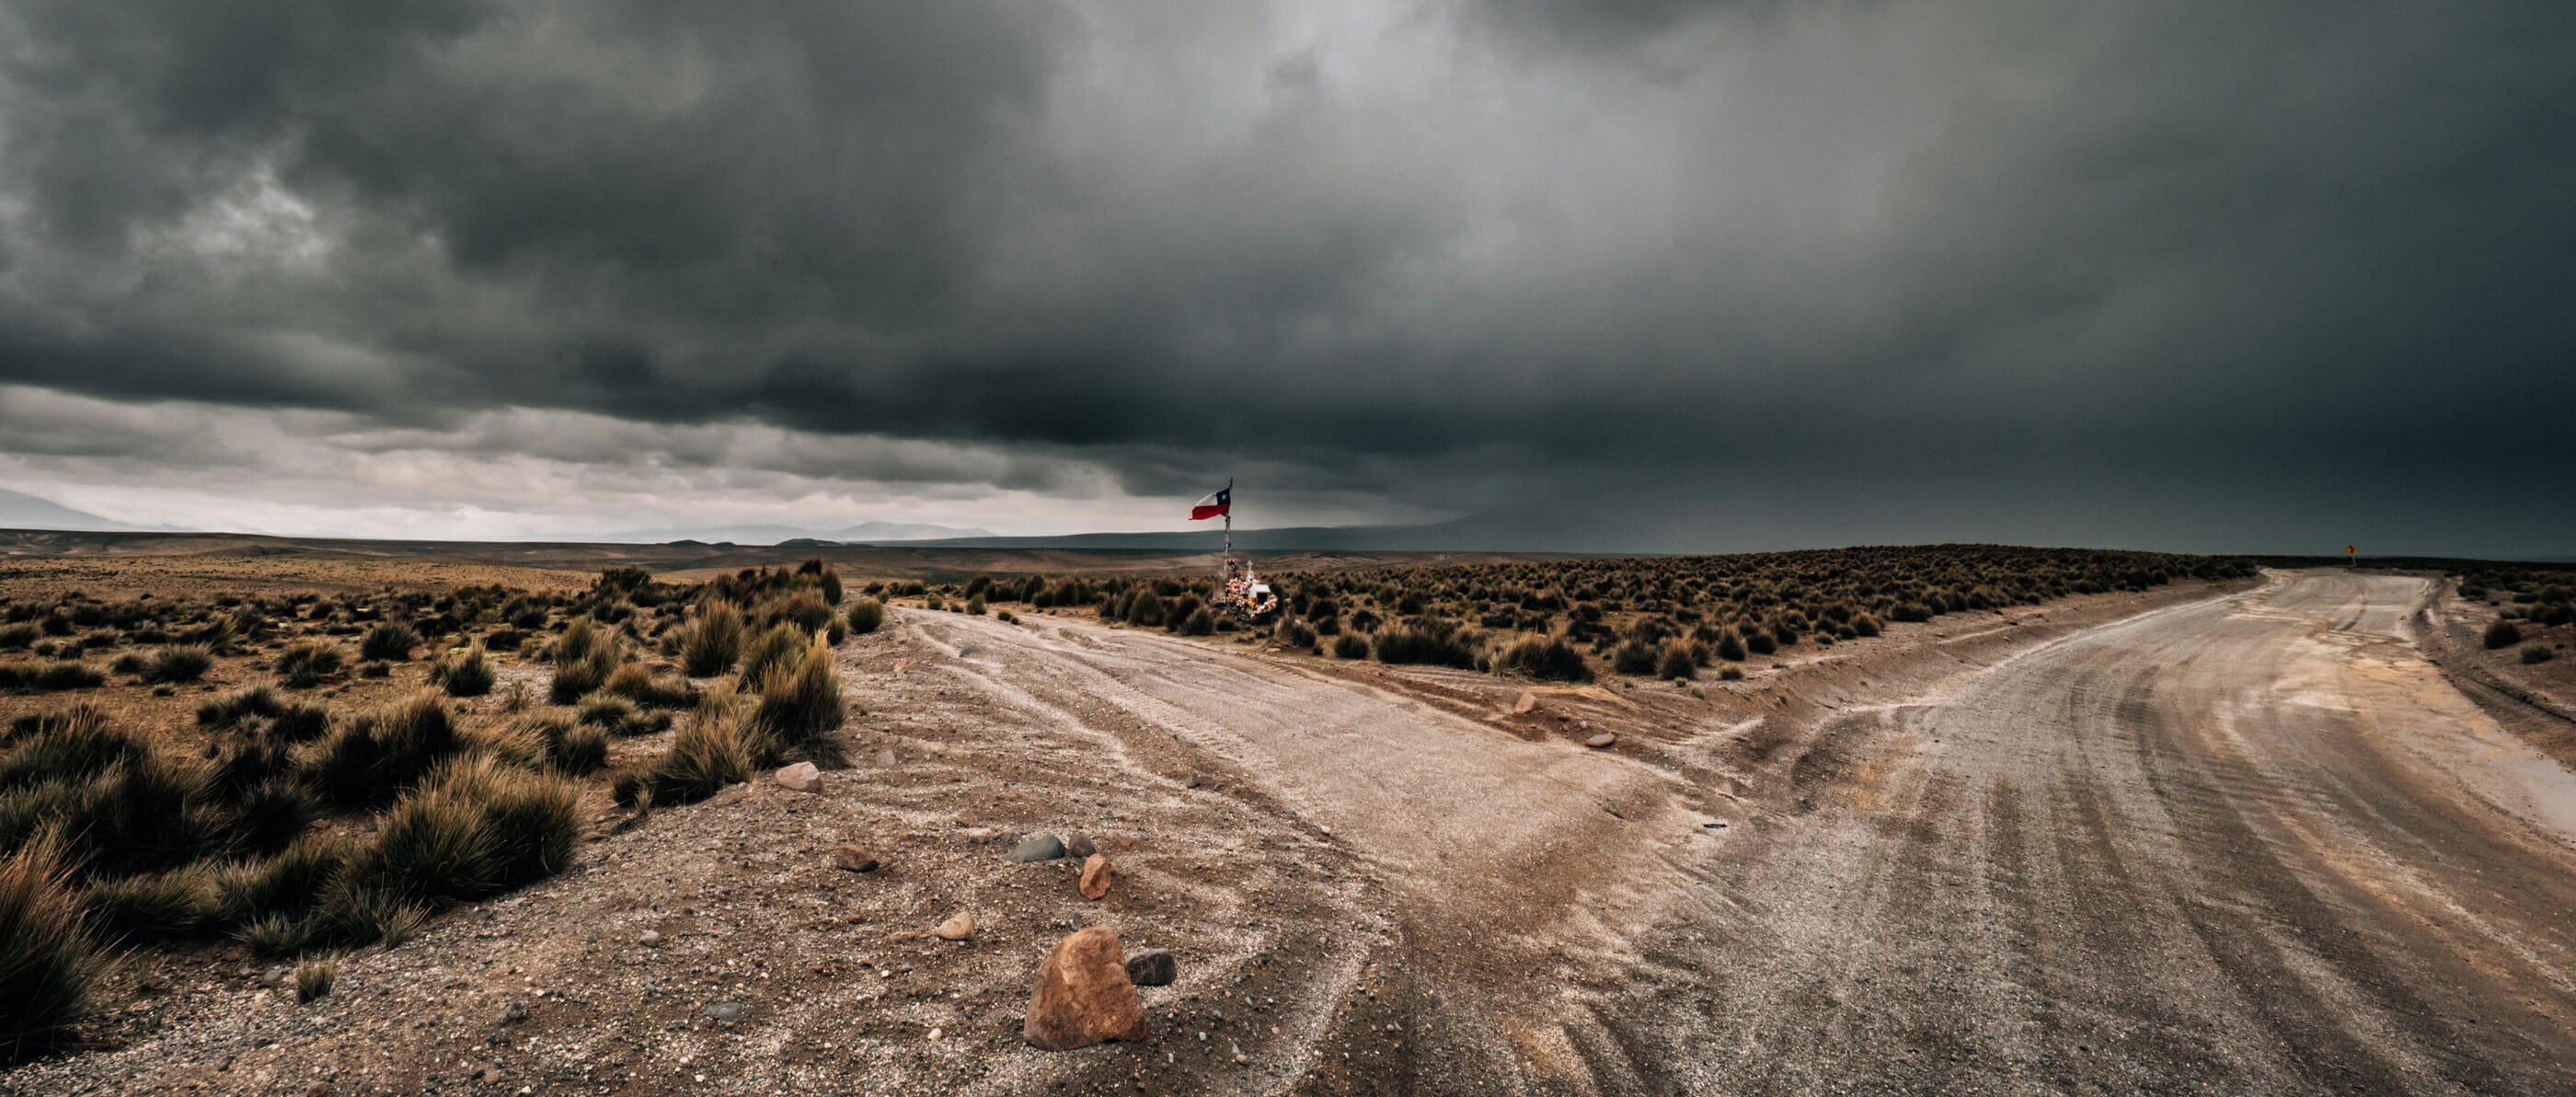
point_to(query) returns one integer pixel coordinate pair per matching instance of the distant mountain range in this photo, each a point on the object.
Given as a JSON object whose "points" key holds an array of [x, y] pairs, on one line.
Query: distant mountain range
{"points": [[19, 510], [865, 533]]}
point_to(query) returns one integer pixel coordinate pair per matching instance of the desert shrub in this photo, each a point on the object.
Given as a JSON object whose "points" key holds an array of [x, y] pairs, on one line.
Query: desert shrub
{"points": [[128, 663], [49, 961], [284, 885], [575, 749], [32, 678], [1406, 644], [800, 702], [1548, 658], [1865, 625], [166, 906], [1730, 645], [182, 663], [2503, 634], [584, 673], [865, 615], [18, 637], [250, 705], [1676, 663], [1730, 673], [389, 640], [275, 935], [305, 663], [313, 977], [2537, 653], [802, 609], [616, 714], [718, 747], [1199, 623], [1350, 645], [1759, 642], [1632, 658], [370, 759], [635, 682], [1296, 634], [267, 816], [476, 827], [463, 672], [714, 642], [975, 605], [1145, 609], [783, 643]]}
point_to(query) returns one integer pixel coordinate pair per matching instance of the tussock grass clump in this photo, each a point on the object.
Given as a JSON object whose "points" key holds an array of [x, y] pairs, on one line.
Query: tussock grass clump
{"points": [[49, 961], [1548, 658], [463, 672], [179, 663], [2503, 634], [719, 747], [636, 682], [574, 749], [1632, 658], [2537, 653], [314, 976], [374, 756], [34, 678], [305, 663], [168, 906], [783, 643], [1407, 644], [584, 658], [865, 616], [390, 641], [476, 827], [714, 642], [1676, 663], [246, 707], [1350, 645], [1144, 609], [285, 885], [800, 702], [615, 714], [19, 637]]}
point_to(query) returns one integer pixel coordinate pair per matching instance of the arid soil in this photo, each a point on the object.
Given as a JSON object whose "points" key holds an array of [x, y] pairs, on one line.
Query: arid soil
{"points": [[2238, 838]]}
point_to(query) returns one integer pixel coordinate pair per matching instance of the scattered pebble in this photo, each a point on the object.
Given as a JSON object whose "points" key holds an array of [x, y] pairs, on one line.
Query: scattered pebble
{"points": [[801, 777], [1044, 847], [958, 928]]}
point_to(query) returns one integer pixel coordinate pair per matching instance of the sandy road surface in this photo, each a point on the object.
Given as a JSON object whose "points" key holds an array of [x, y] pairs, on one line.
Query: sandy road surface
{"points": [[2251, 843]]}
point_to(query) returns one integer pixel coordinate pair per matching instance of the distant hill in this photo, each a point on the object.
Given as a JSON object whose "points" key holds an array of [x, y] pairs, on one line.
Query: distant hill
{"points": [[19, 510], [863, 533]]}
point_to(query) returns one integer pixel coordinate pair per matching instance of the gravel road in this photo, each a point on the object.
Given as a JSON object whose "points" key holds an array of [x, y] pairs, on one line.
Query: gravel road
{"points": [[2249, 845]]}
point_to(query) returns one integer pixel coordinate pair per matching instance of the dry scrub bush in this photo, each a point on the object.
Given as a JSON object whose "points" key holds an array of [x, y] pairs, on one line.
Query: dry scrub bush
{"points": [[800, 703], [1548, 658], [313, 977], [389, 640], [865, 615], [305, 663], [463, 672], [780, 644], [183, 663], [635, 682], [614, 714], [48, 959], [714, 642], [2503, 634], [377, 754], [719, 747]]}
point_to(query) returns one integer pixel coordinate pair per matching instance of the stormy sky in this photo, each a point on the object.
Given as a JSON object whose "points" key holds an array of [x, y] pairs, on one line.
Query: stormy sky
{"points": [[1639, 274]]}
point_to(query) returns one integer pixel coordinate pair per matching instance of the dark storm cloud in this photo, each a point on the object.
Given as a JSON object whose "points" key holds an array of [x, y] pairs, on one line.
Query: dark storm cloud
{"points": [[1795, 272]]}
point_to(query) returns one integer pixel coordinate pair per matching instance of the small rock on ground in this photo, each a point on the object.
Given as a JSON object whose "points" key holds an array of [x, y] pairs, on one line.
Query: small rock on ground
{"points": [[1078, 844], [1528, 703], [1083, 995], [1044, 847], [1602, 740], [801, 777], [853, 859], [1152, 967], [957, 928], [1095, 877], [727, 1012]]}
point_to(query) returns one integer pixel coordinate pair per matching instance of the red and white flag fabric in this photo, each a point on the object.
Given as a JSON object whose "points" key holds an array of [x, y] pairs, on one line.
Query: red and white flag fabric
{"points": [[1220, 503]]}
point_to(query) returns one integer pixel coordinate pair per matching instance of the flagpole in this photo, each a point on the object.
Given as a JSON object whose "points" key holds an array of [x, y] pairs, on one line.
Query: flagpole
{"points": [[1229, 517]]}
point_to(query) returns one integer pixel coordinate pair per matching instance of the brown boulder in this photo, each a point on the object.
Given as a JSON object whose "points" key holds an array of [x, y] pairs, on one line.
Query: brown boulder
{"points": [[853, 859], [1527, 704], [957, 928], [1095, 876], [1082, 995], [801, 777]]}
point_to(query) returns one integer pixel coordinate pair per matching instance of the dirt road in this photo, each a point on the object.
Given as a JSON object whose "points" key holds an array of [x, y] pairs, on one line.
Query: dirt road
{"points": [[2251, 843]]}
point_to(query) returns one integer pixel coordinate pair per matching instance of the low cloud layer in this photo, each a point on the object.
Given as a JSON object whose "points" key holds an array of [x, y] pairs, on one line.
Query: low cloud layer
{"points": [[1657, 275]]}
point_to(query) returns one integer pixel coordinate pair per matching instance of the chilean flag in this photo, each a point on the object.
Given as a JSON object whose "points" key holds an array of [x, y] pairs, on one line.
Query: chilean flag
{"points": [[1220, 503]]}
